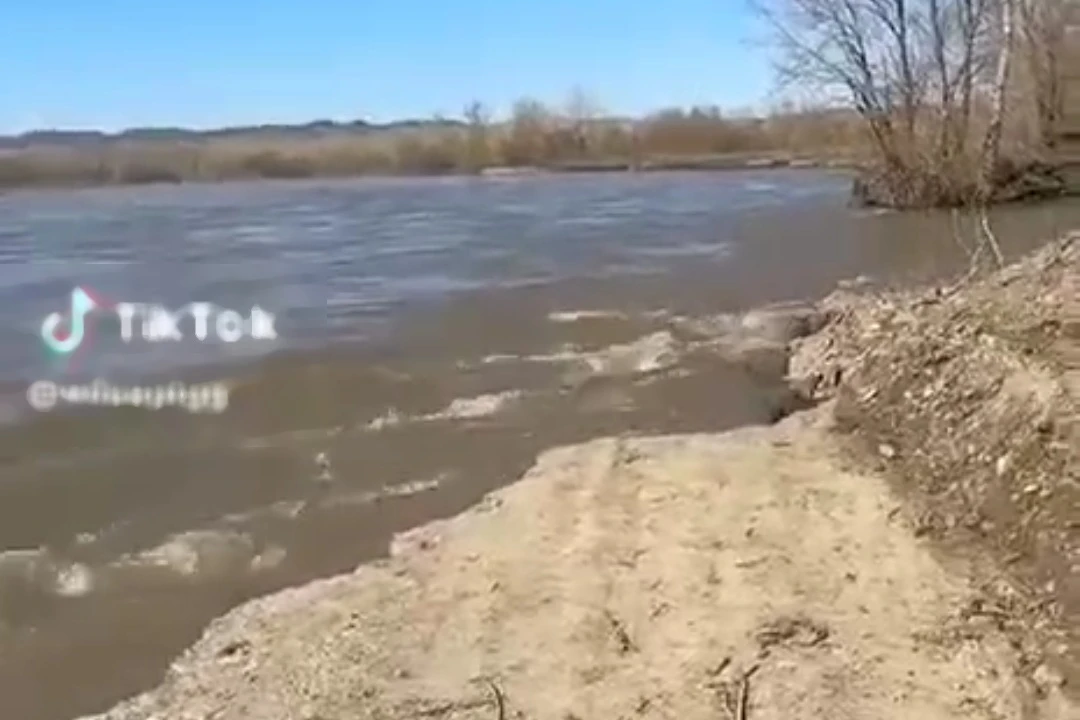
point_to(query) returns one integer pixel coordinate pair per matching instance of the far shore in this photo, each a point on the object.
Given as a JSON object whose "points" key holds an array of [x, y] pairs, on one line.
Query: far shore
{"points": [[535, 140], [707, 163], [734, 161]]}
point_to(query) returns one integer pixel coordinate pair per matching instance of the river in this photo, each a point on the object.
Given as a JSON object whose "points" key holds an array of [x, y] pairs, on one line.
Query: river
{"points": [[431, 336]]}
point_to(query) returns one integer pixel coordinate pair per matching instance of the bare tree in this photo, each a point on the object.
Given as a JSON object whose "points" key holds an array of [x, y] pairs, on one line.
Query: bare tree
{"points": [[1042, 38], [992, 142], [581, 106], [530, 127], [478, 119], [971, 21], [912, 69], [581, 111], [477, 114]]}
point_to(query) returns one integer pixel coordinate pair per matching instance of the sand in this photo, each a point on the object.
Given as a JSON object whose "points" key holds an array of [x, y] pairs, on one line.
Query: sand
{"points": [[676, 577]]}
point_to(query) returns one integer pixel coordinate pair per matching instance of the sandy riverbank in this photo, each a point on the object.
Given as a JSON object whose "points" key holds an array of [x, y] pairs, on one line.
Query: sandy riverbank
{"points": [[792, 571]]}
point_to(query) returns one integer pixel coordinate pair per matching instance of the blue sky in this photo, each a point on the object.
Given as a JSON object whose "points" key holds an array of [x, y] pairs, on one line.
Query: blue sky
{"points": [[110, 64]]}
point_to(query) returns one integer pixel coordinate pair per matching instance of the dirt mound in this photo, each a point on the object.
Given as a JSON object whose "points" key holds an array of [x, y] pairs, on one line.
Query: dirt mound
{"points": [[967, 398]]}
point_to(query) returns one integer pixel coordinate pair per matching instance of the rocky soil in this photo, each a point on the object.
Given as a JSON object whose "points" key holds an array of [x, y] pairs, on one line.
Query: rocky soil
{"points": [[966, 397]]}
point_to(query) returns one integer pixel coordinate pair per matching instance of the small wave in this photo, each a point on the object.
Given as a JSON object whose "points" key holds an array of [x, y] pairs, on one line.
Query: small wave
{"points": [[722, 249], [192, 555], [197, 553], [270, 558], [255, 235], [587, 221], [391, 418], [459, 409], [398, 490], [292, 509], [40, 571], [475, 407], [567, 354], [22, 564], [572, 316], [281, 509], [646, 354], [75, 580], [291, 436], [413, 487]]}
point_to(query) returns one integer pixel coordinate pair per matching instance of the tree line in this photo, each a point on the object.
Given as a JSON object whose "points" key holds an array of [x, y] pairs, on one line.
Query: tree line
{"points": [[578, 135]]}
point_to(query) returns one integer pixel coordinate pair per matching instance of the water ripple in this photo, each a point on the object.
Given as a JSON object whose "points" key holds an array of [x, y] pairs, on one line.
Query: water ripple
{"points": [[334, 250]]}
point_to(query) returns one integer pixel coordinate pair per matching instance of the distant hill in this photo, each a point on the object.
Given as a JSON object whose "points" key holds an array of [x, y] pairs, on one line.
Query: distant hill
{"points": [[94, 138]]}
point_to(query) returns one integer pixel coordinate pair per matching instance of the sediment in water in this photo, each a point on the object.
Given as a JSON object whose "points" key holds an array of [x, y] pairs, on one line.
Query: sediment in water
{"points": [[775, 572]]}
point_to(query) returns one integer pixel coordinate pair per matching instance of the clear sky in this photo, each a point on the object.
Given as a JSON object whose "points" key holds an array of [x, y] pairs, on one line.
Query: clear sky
{"points": [[111, 64]]}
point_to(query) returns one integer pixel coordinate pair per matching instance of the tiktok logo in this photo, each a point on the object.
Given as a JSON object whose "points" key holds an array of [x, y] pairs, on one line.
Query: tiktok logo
{"points": [[81, 305], [153, 323]]}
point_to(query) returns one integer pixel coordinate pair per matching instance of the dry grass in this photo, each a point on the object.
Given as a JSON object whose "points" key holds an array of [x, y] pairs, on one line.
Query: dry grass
{"points": [[535, 137]]}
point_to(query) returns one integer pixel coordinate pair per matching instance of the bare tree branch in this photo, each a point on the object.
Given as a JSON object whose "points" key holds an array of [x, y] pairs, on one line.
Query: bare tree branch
{"points": [[915, 71], [992, 141]]}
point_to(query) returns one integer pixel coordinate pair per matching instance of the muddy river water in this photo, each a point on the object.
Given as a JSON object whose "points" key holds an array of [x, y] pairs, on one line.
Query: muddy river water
{"points": [[430, 337]]}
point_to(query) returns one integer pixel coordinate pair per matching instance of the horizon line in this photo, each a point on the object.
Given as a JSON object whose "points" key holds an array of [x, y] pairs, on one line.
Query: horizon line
{"points": [[737, 113]]}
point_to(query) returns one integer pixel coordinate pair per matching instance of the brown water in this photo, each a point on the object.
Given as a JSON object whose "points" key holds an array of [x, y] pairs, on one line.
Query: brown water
{"points": [[419, 350]]}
